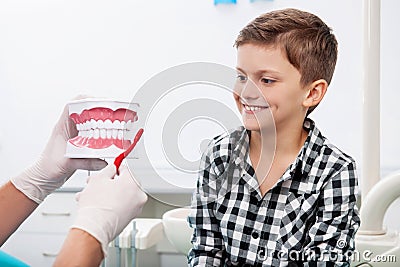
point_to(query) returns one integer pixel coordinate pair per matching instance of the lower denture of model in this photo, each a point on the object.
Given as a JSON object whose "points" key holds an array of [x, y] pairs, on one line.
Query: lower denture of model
{"points": [[100, 128]]}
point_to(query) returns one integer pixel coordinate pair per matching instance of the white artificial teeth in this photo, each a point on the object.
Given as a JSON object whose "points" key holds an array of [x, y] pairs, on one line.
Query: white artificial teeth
{"points": [[116, 124], [96, 133], [103, 133], [106, 129], [92, 124], [109, 133], [108, 124], [114, 133], [100, 124], [120, 134], [129, 125]]}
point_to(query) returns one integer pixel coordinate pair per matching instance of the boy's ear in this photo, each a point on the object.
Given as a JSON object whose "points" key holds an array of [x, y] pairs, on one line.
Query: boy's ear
{"points": [[316, 93]]}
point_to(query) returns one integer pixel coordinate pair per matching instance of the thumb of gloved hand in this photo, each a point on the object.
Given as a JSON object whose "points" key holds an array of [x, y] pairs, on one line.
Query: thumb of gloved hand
{"points": [[108, 203]]}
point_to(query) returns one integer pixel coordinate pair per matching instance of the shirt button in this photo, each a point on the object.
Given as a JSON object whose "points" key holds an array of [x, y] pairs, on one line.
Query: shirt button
{"points": [[255, 235]]}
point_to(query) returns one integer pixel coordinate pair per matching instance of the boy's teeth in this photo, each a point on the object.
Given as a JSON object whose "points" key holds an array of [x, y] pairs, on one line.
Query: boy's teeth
{"points": [[251, 108]]}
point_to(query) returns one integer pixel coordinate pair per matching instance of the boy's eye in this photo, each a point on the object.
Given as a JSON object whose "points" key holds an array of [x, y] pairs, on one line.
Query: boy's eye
{"points": [[267, 81], [241, 78]]}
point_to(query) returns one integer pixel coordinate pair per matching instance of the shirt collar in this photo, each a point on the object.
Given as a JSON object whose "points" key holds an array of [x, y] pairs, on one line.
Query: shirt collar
{"points": [[311, 148], [300, 167]]}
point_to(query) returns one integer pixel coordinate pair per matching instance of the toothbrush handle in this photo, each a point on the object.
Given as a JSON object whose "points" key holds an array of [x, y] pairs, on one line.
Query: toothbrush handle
{"points": [[118, 160]]}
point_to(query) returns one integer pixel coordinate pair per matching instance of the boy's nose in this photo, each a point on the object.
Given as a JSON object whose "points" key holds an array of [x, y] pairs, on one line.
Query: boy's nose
{"points": [[250, 91]]}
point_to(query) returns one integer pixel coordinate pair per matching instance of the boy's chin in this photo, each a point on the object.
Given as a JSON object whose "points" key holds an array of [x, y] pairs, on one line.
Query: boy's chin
{"points": [[253, 126]]}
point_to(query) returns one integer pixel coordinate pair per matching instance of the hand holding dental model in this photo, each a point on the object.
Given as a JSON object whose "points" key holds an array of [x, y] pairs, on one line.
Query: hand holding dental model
{"points": [[106, 205], [52, 169]]}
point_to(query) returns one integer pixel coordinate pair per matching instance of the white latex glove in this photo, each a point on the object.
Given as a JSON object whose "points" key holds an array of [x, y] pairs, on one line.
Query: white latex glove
{"points": [[52, 169], [108, 203]]}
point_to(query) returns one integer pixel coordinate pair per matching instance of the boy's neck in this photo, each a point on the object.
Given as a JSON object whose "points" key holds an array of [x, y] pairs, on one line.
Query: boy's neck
{"points": [[275, 155], [286, 141]]}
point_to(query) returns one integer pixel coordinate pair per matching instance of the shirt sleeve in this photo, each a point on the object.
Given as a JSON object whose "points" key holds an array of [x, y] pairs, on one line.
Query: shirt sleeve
{"points": [[331, 237], [208, 246]]}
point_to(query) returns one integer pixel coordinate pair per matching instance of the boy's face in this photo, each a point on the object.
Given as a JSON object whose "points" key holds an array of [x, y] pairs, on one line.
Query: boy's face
{"points": [[267, 88]]}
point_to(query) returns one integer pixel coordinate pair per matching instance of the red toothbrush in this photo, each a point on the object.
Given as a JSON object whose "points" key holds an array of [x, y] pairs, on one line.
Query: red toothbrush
{"points": [[118, 160]]}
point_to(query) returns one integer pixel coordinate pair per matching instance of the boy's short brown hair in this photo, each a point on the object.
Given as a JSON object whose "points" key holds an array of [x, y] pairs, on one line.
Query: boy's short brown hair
{"points": [[306, 40]]}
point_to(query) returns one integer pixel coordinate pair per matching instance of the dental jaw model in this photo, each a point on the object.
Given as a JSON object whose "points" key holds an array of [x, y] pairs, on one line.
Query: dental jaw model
{"points": [[105, 128]]}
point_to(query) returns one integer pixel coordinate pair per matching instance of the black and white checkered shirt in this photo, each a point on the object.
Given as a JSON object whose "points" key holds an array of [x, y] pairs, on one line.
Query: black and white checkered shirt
{"points": [[307, 217]]}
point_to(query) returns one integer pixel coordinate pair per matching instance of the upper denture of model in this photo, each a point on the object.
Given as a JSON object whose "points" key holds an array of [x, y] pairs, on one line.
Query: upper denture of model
{"points": [[102, 127]]}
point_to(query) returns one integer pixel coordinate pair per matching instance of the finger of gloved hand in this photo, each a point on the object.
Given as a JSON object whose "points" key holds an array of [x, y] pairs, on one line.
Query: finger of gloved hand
{"points": [[65, 124], [106, 173], [124, 170], [131, 182], [88, 164]]}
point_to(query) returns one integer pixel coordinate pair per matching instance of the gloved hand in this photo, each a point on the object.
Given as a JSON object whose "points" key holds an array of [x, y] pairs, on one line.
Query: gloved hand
{"points": [[52, 169], [108, 203]]}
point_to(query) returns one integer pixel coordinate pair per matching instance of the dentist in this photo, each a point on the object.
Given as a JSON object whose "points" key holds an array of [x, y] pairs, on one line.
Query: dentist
{"points": [[105, 207]]}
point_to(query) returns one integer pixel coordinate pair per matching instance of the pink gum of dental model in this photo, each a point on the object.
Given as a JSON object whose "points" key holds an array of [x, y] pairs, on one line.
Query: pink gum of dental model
{"points": [[100, 127]]}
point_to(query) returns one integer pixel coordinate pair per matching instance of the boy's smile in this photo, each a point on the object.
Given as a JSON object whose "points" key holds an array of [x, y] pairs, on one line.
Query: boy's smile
{"points": [[267, 89], [253, 109]]}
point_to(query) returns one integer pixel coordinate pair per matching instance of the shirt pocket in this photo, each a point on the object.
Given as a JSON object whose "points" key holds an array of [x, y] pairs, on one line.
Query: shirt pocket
{"points": [[292, 208], [293, 222]]}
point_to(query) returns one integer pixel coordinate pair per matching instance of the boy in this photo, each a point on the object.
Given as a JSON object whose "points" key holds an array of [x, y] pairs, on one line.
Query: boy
{"points": [[293, 206]]}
